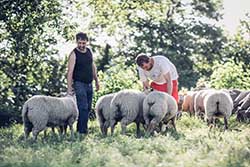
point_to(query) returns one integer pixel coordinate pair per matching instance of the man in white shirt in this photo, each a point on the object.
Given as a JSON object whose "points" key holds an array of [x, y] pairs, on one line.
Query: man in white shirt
{"points": [[162, 73]]}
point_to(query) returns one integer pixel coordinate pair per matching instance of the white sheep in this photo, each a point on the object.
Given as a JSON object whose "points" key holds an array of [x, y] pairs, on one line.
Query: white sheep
{"points": [[218, 104], [41, 111], [103, 112], [126, 107], [159, 107], [199, 102]]}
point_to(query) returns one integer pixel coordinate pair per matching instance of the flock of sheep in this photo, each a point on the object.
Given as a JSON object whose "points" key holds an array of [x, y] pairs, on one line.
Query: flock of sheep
{"points": [[203, 103], [151, 109]]}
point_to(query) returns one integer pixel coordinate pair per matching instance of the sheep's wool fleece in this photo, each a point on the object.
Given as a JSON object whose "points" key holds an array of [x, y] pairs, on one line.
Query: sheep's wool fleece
{"points": [[224, 101], [130, 103], [103, 106], [162, 103], [54, 110]]}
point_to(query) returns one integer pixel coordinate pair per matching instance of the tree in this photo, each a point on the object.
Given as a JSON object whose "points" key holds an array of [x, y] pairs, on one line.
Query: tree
{"points": [[28, 33], [173, 28], [238, 46]]}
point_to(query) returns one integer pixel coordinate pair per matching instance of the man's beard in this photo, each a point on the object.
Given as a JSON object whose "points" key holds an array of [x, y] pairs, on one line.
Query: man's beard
{"points": [[81, 48]]}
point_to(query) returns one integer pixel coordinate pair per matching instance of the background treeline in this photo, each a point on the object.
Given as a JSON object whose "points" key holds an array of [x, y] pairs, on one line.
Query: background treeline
{"points": [[185, 32]]}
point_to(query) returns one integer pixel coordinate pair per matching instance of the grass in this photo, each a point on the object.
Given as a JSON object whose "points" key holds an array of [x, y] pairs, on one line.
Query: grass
{"points": [[192, 145]]}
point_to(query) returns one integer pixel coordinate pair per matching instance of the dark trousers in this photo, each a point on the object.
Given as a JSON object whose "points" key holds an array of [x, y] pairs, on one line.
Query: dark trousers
{"points": [[84, 95]]}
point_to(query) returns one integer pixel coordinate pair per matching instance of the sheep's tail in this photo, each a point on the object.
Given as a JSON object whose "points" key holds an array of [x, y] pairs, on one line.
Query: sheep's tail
{"points": [[217, 106], [218, 112], [26, 120]]}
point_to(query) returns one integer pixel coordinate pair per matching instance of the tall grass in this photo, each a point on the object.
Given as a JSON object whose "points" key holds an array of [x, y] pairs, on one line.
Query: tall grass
{"points": [[192, 145]]}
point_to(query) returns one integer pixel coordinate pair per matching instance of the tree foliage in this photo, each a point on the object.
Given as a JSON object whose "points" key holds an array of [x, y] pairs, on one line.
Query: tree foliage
{"points": [[28, 30], [175, 29], [117, 77], [230, 76]]}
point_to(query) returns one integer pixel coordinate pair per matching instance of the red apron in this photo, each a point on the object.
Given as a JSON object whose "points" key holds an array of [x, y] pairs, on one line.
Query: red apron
{"points": [[163, 88]]}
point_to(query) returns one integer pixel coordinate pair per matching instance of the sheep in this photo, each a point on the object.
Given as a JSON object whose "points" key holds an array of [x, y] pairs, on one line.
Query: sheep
{"points": [[238, 101], [180, 101], [103, 112], [126, 107], [179, 104], [188, 102], [159, 107], [42, 111], [199, 103], [244, 106], [218, 104], [244, 103], [243, 115], [234, 93]]}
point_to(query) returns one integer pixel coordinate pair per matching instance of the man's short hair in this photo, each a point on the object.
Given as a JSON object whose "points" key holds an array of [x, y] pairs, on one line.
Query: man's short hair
{"points": [[81, 36], [141, 59]]}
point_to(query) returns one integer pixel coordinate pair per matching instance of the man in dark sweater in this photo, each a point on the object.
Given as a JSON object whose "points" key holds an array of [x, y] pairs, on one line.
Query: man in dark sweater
{"points": [[81, 73]]}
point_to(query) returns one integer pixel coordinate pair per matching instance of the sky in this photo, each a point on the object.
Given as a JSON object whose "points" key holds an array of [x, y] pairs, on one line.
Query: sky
{"points": [[234, 10]]}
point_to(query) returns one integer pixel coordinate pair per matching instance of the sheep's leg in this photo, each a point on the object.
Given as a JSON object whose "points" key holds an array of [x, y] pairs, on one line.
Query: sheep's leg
{"points": [[38, 127], [197, 113], [146, 121], [124, 123], [71, 131], [65, 129], [173, 123], [53, 130], [160, 127], [112, 125], [145, 127], [35, 133], [61, 129], [105, 128], [138, 132], [61, 132], [225, 123], [152, 125], [27, 130], [190, 110], [102, 128], [45, 133], [210, 123], [105, 131]]}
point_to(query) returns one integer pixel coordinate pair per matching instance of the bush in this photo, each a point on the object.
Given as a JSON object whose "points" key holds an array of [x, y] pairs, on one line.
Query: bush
{"points": [[117, 77], [229, 75]]}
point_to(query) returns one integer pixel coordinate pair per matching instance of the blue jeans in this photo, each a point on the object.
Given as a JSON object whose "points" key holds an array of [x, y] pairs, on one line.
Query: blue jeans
{"points": [[84, 95]]}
